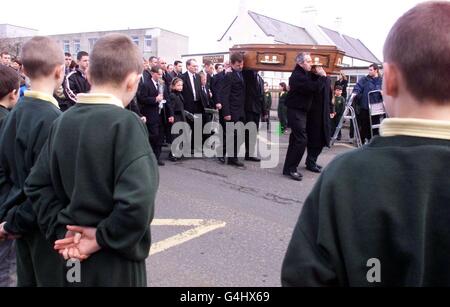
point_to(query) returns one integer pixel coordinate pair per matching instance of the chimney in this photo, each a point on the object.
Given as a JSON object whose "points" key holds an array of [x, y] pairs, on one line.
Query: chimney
{"points": [[338, 24], [309, 20], [309, 14]]}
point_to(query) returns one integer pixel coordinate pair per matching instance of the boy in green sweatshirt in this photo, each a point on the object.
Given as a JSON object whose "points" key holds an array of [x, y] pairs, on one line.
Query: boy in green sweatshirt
{"points": [[24, 132], [94, 186], [9, 93], [380, 215]]}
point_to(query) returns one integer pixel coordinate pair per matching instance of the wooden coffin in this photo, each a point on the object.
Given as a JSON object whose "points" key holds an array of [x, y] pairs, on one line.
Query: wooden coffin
{"points": [[264, 57]]}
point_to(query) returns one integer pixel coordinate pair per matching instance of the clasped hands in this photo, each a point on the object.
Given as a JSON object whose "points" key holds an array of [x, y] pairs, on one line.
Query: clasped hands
{"points": [[80, 243]]}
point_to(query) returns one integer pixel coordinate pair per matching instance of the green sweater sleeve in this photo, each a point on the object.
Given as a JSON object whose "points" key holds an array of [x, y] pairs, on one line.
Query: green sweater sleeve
{"points": [[127, 229], [46, 205], [307, 262]]}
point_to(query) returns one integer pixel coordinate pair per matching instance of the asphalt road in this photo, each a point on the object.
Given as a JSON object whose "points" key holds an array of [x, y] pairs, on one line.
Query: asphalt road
{"points": [[220, 226]]}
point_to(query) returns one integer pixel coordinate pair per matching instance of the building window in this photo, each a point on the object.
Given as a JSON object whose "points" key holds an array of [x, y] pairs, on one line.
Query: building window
{"points": [[136, 39], [92, 42], [148, 42], [76, 45], [66, 46]]}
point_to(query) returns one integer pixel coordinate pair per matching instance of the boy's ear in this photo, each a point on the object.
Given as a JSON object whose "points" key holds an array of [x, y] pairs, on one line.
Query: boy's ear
{"points": [[391, 78], [14, 95], [132, 81], [59, 72]]}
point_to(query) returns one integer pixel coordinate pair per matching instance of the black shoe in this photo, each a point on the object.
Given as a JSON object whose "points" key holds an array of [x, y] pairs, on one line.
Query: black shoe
{"points": [[221, 160], [161, 163], [319, 166], [173, 158], [252, 159], [235, 162], [294, 175], [313, 168]]}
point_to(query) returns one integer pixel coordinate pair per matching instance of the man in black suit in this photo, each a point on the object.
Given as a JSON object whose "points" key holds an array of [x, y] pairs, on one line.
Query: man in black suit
{"points": [[167, 78], [298, 101], [254, 106], [177, 69], [216, 82], [192, 98], [208, 69], [149, 98], [232, 96]]}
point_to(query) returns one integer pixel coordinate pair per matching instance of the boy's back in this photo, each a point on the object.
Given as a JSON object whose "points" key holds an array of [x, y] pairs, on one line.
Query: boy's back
{"points": [[104, 175], [23, 134], [380, 215], [390, 204]]}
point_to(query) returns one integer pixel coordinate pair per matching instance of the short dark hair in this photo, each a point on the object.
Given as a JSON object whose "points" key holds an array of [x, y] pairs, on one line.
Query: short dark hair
{"points": [[177, 62], [284, 86], [18, 61], [81, 54], [4, 53], [9, 81], [155, 69], [152, 58], [207, 63], [73, 64], [40, 56], [375, 66], [113, 58], [217, 66], [189, 62], [236, 57], [419, 46], [338, 87], [67, 54]]}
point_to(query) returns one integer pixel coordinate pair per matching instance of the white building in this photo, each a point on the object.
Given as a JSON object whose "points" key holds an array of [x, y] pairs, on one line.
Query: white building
{"points": [[151, 41], [10, 31], [249, 27]]}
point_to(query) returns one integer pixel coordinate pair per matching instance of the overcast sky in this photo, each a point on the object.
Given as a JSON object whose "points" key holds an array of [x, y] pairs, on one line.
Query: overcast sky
{"points": [[204, 21]]}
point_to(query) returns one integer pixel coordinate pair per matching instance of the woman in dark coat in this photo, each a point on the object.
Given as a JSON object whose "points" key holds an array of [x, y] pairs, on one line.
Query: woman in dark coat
{"points": [[318, 124]]}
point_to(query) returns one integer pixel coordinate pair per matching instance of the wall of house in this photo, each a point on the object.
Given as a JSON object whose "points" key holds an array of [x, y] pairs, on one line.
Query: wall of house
{"points": [[172, 45], [244, 31]]}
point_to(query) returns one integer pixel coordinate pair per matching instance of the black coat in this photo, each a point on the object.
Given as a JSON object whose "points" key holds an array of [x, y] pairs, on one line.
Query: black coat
{"points": [[74, 84], [206, 98], [302, 88], [216, 86], [167, 78], [189, 104], [133, 107], [178, 106], [318, 120], [233, 96], [254, 92], [146, 97]]}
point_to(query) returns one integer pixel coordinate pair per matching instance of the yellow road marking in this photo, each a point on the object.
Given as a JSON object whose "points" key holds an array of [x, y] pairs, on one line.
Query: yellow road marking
{"points": [[201, 227]]}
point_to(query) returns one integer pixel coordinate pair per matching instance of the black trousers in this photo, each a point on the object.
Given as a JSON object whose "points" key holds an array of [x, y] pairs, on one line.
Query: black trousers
{"points": [[198, 111], [38, 264], [155, 136], [250, 140], [297, 140], [313, 154], [364, 125], [222, 150]]}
